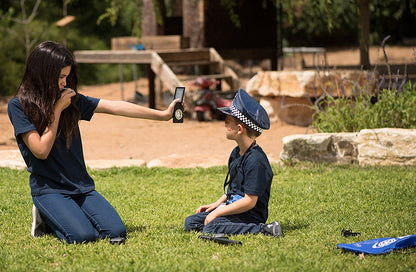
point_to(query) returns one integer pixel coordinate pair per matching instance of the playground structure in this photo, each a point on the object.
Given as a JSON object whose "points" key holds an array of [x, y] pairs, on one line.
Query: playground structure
{"points": [[159, 64]]}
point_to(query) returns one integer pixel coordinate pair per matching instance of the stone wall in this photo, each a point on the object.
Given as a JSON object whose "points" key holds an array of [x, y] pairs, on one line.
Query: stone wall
{"points": [[384, 146], [387, 146]]}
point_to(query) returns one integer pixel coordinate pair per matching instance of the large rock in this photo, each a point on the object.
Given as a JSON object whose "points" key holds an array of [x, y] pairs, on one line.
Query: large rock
{"points": [[387, 146], [296, 111], [384, 146], [315, 147], [346, 147], [321, 147], [309, 83], [287, 95]]}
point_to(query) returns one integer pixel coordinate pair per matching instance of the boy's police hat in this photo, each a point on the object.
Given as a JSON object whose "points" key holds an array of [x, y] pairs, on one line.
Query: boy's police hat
{"points": [[248, 111]]}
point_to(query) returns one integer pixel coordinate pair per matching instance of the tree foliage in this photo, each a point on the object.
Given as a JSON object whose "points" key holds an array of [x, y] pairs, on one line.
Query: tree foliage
{"points": [[21, 30], [304, 22], [128, 13]]}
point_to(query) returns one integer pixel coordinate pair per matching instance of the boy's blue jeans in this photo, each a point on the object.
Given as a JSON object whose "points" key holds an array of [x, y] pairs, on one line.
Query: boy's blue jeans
{"points": [[80, 218], [232, 224]]}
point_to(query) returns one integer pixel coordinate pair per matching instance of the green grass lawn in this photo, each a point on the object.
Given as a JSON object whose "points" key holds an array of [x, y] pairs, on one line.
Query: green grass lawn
{"points": [[312, 202]]}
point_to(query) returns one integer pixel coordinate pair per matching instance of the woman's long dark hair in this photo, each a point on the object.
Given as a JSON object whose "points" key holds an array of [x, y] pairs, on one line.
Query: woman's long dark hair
{"points": [[39, 90]]}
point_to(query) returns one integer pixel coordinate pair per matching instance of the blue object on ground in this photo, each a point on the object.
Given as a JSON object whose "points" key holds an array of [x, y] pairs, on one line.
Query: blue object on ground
{"points": [[381, 245]]}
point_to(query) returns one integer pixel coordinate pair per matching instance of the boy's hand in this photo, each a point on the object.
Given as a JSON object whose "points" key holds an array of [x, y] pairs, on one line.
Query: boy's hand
{"points": [[202, 208], [207, 208], [210, 217]]}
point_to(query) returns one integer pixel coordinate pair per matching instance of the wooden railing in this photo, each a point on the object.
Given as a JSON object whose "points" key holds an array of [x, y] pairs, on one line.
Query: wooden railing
{"points": [[160, 62]]}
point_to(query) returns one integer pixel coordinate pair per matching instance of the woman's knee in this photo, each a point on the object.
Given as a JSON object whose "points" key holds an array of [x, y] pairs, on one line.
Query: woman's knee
{"points": [[81, 236], [117, 231], [86, 235]]}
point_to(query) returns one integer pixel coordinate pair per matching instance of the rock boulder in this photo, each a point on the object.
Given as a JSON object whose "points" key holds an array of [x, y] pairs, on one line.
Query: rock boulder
{"points": [[387, 146], [288, 95], [384, 146]]}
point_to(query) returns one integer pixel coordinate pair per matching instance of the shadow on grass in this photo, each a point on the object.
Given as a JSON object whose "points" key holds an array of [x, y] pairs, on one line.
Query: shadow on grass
{"points": [[292, 226], [134, 228]]}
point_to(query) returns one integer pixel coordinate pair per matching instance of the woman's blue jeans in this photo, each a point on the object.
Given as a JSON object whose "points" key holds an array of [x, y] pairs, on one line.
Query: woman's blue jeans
{"points": [[80, 218], [232, 224]]}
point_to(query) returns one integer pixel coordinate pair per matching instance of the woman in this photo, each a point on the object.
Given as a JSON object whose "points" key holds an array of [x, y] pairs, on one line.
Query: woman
{"points": [[45, 115]]}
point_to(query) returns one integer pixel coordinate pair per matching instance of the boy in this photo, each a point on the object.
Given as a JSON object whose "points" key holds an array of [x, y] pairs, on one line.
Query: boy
{"points": [[244, 207]]}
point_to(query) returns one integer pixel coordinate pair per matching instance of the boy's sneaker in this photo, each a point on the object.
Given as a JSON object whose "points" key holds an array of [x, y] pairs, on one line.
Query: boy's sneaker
{"points": [[273, 229], [38, 225]]}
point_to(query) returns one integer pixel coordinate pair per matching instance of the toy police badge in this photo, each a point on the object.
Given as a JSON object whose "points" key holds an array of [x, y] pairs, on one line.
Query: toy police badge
{"points": [[178, 110]]}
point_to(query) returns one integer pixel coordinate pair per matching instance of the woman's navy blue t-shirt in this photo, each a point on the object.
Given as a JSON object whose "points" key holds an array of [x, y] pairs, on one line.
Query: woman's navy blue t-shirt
{"points": [[251, 174], [64, 170]]}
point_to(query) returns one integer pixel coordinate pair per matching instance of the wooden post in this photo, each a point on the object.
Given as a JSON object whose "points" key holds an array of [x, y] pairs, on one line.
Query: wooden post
{"points": [[152, 94], [135, 77], [120, 74]]}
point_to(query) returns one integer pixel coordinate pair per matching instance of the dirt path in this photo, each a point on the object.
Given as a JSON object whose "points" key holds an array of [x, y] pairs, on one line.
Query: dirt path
{"points": [[192, 143]]}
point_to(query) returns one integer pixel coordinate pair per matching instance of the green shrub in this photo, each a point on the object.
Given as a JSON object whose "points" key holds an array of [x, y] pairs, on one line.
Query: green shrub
{"points": [[394, 108]]}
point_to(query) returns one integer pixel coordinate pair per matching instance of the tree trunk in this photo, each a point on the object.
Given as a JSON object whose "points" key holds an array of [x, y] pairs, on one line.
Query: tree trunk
{"points": [[364, 33], [279, 28]]}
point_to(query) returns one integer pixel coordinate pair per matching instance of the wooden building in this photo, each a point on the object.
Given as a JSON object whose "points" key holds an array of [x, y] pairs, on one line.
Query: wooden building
{"points": [[207, 24]]}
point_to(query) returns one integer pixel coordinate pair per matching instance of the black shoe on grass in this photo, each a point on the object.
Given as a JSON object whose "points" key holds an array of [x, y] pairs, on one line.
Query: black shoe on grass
{"points": [[273, 229]]}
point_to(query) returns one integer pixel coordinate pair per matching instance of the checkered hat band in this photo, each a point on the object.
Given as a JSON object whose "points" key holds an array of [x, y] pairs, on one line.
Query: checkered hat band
{"points": [[236, 112]]}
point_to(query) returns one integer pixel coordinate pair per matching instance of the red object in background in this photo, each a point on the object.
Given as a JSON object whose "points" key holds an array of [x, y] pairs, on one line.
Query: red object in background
{"points": [[208, 101]]}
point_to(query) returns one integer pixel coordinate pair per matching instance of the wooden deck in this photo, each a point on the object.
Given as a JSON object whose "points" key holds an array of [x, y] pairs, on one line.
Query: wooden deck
{"points": [[160, 63]]}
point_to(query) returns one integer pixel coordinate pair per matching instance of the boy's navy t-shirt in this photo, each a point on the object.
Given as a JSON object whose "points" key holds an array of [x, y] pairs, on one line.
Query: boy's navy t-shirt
{"points": [[64, 170], [251, 174]]}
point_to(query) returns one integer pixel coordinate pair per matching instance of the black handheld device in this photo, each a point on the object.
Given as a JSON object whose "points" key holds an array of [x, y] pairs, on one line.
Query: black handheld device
{"points": [[220, 239], [178, 110]]}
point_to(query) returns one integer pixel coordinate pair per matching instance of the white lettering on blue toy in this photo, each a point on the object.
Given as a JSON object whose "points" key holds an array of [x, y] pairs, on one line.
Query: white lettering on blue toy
{"points": [[384, 243]]}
